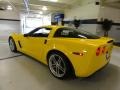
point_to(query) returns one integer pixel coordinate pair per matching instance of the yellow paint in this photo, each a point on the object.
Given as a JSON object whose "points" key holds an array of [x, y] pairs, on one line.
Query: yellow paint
{"points": [[83, 65]]}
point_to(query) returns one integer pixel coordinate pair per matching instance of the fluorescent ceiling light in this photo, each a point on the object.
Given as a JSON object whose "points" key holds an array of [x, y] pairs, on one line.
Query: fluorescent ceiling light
{"points": [[9, 7], [40, 12], [44, 8], [51, 0]]}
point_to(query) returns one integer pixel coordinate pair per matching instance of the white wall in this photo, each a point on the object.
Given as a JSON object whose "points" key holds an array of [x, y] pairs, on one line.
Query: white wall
{"points": [[8, 26], [10, 15], [110, 13], [114, 15], [91, 11], [87, 10]]}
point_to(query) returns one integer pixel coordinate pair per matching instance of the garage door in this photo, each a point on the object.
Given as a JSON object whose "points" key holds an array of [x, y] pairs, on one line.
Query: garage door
{"points": [[8, 27]]}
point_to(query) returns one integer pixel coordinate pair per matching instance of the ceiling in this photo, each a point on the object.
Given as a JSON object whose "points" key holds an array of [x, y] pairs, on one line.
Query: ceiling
{"points": [[60, 5], [36, 5]]}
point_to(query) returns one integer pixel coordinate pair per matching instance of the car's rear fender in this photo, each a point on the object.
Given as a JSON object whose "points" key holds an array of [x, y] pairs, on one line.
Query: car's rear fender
{"points": [[80, 63]]}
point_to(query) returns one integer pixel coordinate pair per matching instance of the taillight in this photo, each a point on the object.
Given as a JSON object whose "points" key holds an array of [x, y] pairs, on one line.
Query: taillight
{"points": [[103, 50], [98, 51]]}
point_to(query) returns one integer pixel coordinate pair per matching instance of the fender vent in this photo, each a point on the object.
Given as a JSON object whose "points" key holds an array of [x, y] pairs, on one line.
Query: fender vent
{"points": [[19, 44]]}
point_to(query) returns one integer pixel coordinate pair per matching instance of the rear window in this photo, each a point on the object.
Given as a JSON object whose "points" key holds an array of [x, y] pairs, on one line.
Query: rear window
{"points": [[74, 33]]}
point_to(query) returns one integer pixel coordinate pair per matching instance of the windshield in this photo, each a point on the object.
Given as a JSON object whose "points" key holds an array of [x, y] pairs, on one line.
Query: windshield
{"points": [[74, 33]]}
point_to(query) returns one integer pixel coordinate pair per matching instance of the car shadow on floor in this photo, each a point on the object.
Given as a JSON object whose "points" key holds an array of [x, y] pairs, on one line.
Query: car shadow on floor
{"points": [[105, 79]]}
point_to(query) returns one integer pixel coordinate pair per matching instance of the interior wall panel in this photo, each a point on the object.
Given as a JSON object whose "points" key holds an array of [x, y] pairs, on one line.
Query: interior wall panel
{"points": [[7, 28]]}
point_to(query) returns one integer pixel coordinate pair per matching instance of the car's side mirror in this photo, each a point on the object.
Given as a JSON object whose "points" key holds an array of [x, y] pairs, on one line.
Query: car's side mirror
{"points": [[26, 35]]}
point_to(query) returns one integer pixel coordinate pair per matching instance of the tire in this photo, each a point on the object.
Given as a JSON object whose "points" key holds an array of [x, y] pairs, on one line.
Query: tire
{"points": [[12, 45], [59, 66]]}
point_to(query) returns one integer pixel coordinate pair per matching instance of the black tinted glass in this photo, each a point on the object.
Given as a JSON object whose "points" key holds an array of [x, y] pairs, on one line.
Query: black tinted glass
{"points": [[74, 33]]}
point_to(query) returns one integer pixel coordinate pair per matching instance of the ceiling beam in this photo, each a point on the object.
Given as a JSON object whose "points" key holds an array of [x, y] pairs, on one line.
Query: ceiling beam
{"points": [[43, 3], [48, 3], [38, 7], [26, 4]]}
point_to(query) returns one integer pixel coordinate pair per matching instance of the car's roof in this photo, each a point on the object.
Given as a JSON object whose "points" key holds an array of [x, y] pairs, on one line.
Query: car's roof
{"points": [[54, 26]]}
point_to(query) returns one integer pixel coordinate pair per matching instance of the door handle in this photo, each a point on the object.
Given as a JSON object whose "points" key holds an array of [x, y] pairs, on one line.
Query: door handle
{"points": [[45, 42]]}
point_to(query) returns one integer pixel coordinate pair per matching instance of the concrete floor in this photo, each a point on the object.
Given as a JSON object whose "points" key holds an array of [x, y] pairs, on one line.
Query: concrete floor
{"points": [[24, 73]]}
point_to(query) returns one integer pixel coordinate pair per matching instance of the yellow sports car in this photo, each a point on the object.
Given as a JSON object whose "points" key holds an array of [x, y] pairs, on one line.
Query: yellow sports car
{"points": [[65, 50]]}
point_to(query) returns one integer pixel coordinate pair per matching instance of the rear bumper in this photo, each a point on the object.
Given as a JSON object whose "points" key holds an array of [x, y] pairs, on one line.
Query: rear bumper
{"points": [[87, 67], [91, 70], [91, 63]]}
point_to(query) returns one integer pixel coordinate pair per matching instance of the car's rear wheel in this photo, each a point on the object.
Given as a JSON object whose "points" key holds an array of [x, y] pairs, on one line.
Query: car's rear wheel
{"points": [[12, 45], [59, 66]]}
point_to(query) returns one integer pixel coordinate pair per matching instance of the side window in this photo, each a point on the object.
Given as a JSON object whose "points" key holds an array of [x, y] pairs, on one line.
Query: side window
{"points": [[69, 33], [41, 32], [62, 33]]}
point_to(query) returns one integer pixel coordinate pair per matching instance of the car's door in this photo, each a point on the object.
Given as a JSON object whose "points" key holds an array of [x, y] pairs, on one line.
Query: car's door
{"points": [[35, 41]]}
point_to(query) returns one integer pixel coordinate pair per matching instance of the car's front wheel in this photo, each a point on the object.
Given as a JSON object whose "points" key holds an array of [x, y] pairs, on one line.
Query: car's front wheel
{"points": [[12, 45], [59, 66]]}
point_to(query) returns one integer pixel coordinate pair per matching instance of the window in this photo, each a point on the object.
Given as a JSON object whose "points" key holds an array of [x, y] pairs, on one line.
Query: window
{"points": [[40, 32], [74, 33], [31, 21], [43, 31]]}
